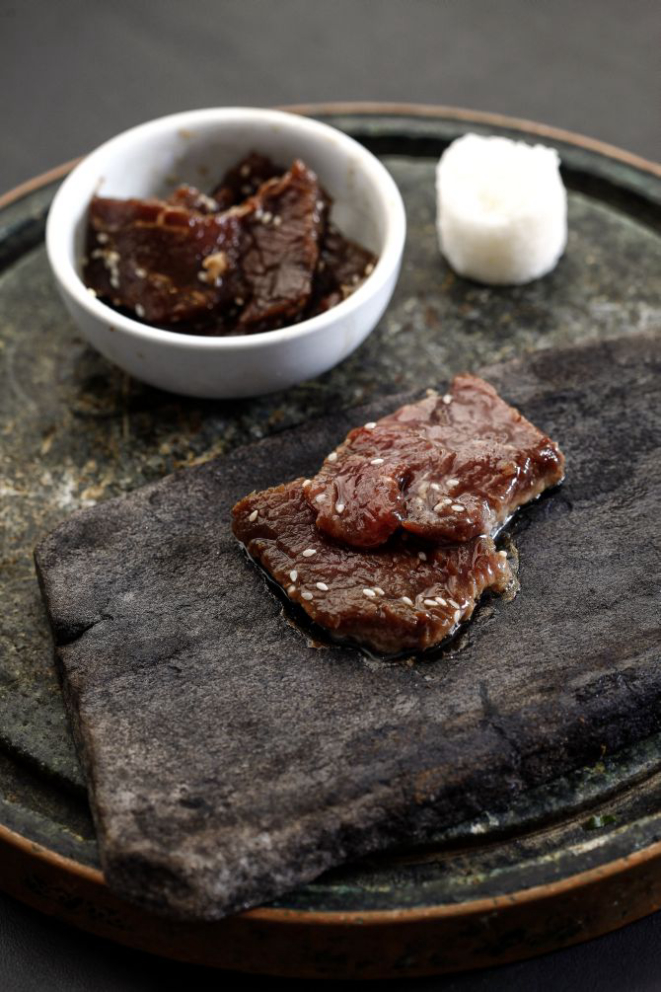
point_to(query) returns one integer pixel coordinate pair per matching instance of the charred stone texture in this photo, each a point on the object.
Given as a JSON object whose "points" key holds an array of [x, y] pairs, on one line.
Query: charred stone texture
{"points": [[228, 760]]}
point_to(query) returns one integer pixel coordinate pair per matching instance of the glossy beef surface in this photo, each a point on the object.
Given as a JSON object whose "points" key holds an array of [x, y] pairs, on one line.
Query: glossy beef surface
{"points": [[148, 256], [281, 230], [342, 267], [244, 179], [448, 468], [405, 595], [257, 254]]}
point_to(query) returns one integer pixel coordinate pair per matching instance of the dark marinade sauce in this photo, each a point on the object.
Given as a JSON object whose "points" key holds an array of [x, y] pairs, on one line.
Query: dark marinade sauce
{"points": [[258, 253]]}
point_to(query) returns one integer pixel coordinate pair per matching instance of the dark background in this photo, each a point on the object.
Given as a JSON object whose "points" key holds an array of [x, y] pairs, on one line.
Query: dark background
{"points": [[74, 73]]}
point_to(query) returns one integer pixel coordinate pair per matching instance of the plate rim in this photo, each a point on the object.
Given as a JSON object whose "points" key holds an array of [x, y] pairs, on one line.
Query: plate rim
{"points": [[535, 893], [377, 108]]}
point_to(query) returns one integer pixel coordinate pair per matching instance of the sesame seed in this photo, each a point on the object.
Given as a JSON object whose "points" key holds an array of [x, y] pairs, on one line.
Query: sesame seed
{"points": [[369, 268], [332, 457], [459, 507], [206, 201], [306, 483], [379, 590], [369, 593], [293, 575], [309, 552], [429, 602], [202, 276], [422, 489], [339, 508], [267, 217], [91, 291], [452, 603], [370, 425], [291, 590], [422, 556], [452, 482], [503, 554], [405, 599], [244, 170], [140, 273], [441, 601], [139, 310], [319, 204], [377, 461], [456, 616], [447, 399], [442, 503], [435, 486], [322, 586], [102, 238], [239, 301], [114, 280], [430, 392], [253, 516], [307, 596], [277, 221], [320, 498]]}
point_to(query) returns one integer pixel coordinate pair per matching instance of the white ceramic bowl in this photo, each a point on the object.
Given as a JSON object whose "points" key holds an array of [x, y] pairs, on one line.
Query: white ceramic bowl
{"points": [[196, 147]]}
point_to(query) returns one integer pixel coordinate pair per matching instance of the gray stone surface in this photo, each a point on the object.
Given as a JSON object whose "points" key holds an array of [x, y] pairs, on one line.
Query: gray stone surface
{"points": [[228, 760]]}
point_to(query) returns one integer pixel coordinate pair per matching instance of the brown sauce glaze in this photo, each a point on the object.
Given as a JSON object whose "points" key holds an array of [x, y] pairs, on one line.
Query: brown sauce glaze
{"points": [[448, 468], [403, 596], [256, 254]]}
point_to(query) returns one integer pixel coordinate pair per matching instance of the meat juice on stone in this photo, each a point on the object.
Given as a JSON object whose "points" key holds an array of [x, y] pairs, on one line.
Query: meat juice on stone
{"points": [[391, 544], [255, 255]]}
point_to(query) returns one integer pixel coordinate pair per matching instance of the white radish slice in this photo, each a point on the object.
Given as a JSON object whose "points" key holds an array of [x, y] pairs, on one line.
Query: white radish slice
{"points": [[502, 209]]}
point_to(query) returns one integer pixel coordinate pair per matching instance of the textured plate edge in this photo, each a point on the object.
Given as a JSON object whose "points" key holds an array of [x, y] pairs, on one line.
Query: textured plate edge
{"points": [[347, 945], [486, 118]]}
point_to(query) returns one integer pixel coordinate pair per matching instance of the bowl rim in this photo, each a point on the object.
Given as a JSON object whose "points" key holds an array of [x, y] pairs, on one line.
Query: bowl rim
{"points": [[59, 230]]}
